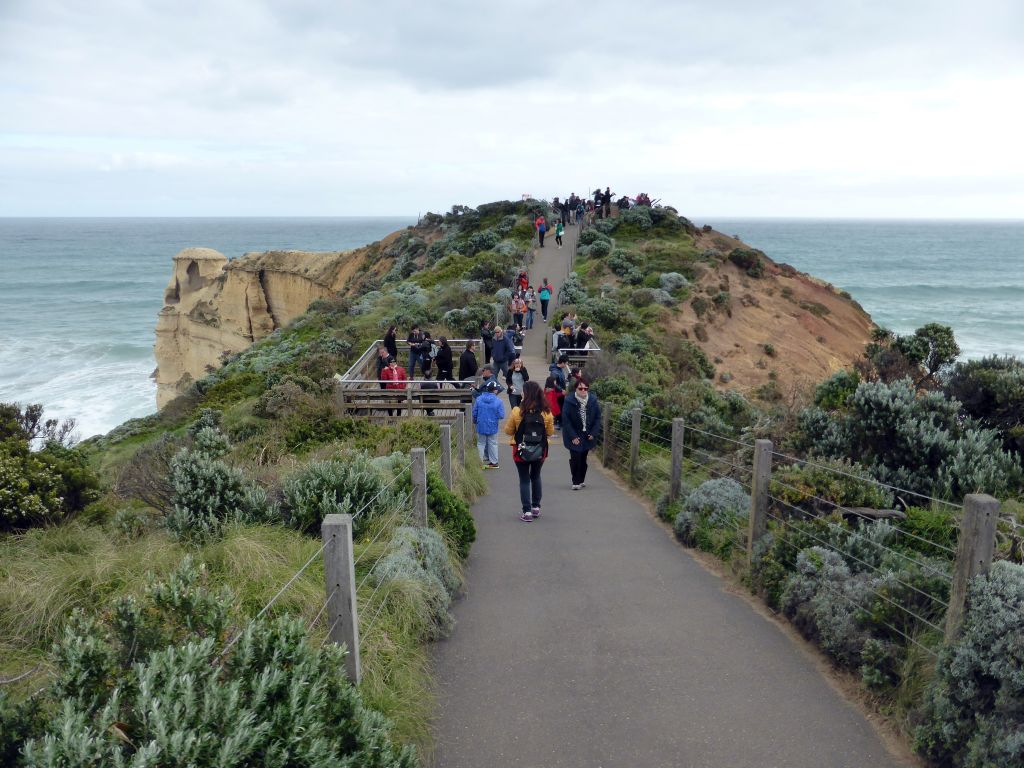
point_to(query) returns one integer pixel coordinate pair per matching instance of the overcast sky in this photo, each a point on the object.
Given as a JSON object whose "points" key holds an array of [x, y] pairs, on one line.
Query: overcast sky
{"points": [[725, 108]]}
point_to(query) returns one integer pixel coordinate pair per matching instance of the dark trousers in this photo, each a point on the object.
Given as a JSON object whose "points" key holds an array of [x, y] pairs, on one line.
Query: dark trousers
{"points": [[544, 308], [414, 357], [529, 483], [578, 466], [558, 239], [514, 401], [517, 318], [540, 233], [487, 352]]}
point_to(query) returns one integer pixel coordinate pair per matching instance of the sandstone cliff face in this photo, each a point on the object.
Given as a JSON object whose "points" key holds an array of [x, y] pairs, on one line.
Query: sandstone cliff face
{"points": [[214, 307]]}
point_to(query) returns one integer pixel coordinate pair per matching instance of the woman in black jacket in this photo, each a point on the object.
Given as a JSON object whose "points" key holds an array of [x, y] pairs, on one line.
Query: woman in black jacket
{"points": [[487, 334], [516, 379], [391, 342], [581, 428], [444, 360], [467, 362]]}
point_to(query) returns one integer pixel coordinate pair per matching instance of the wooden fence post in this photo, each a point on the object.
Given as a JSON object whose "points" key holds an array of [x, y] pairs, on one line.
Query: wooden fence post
{"points": [[760, 479], [606, 426], [675, 486], [419, 485], [634, 445], [446, 456], [460, 437], [340, 578], [973, 555], [467, 423]]}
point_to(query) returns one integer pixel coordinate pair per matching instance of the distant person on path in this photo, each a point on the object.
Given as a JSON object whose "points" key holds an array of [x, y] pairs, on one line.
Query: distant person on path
{"points": [[554, 396], [530, 425], [391, 341], [516, 379], [444, 360], [488, 411], [606, 202], [581, 212], [581, 427], [564, 208], [559, 229], [541, 226], [518, 310], [523, 281], [545, 297], [504, 350], [530, 297], [467, 363], [415, 341], [487, 334]]}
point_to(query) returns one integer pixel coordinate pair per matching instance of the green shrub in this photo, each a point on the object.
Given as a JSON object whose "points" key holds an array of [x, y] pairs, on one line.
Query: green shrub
{"points": [[591, 236], [769, 349], [700, 305], [209, 494], [572, 291], [834, 391], [350, 485], [211, 443], [831, 480], [668, 510], [208, 418], [234, 388], [992, 391], [933, 531], [718, 504], [155, 685], [747, 260], [599, 249], [972, 715], [605, 314], [452, 513], [44, 486]]}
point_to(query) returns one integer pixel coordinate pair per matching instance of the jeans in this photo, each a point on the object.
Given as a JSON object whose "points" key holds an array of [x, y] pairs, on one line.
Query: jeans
{"points": [[578, 466], [540, 234], [529, 481], [544, 309], [488, 447], [529, 318], [414, 357], [502, 367], [517, 318]]}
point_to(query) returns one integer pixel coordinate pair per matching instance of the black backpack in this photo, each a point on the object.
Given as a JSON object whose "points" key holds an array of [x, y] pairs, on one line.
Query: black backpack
{"points": [[531, 437]]}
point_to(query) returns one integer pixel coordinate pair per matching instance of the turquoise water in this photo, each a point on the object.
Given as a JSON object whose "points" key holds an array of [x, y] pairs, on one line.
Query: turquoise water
{"points": [[79, 297], [79, 300], [966, 274]]}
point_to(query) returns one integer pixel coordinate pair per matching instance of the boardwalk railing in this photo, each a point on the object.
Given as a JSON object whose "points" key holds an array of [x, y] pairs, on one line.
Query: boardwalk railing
{"points": [[664, 457]]}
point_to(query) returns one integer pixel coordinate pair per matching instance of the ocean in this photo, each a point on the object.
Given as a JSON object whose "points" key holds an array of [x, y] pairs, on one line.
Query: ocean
{"points": [[79, 297]]}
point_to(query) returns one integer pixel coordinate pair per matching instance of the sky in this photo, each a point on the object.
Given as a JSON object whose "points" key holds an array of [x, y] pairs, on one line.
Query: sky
{"points": [[300, 108]]}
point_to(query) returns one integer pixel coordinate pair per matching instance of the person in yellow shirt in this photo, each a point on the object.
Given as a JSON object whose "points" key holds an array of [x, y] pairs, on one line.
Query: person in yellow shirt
{"points": [[530, 425]]}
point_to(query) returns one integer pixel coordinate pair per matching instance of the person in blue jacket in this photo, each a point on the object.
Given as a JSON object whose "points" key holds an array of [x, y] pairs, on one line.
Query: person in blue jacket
{"points": [[488, 411], [504, 350], [581, 428]]}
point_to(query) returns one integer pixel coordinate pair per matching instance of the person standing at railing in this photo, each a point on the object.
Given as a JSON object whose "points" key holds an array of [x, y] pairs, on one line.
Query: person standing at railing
{"points": [[391, 341], [606, 202], [395, 376], [581, 428], [487, 334], [581, 211], [546, 290], [467, 363], [415, 341], [444, 360], [488, 411], [530, 425], [382, 362], [530, 297], [565, 339], [583, 337]]}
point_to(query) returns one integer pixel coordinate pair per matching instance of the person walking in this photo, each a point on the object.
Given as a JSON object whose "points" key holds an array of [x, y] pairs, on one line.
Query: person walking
{"points": [[487, 334], [467, 363], [541, 226], [415, 341], [545, 298], [554, 396], [504, 351], [515, 380], [518, 308], [530, 297], [559, 229], [530, 425], [391, 341], [444, 360], [581, 428], [488, 411]]}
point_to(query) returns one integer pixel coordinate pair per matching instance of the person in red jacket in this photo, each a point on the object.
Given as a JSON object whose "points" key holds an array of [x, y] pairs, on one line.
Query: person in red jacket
{"points": [[395, 376], [541, 226], [554, 396]]}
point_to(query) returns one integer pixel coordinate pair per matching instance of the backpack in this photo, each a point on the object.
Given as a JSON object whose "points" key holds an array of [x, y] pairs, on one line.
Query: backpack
{"points": [[531, 437]]}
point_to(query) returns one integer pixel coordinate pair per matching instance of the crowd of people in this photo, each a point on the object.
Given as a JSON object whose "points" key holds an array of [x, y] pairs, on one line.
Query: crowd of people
{"points": [[535, 413]]}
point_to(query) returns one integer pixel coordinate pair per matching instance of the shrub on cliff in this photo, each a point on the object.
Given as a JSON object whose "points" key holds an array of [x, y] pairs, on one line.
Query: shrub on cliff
{"points": [[452, 513], [572, 291], [829, 480], [154, 684], [973, 715], [349, 485], [591, 236], [992, 391], [714, 506], [747, 260]]}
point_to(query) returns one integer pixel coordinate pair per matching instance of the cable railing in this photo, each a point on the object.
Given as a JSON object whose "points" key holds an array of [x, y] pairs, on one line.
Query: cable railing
{"points": [[921, 573]]}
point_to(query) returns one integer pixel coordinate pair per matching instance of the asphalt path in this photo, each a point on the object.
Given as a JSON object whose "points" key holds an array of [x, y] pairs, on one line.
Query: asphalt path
{"points": [[589, 637]]}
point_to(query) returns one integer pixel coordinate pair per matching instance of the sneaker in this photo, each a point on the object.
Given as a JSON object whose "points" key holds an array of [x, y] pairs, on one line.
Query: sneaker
{"points": [[526, 517], [575, 487], [492, 465], [535, 512], [583, 485]]}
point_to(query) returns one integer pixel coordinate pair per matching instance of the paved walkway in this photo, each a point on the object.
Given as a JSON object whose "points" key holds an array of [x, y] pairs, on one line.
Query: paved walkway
{"points": [[590, 638]]}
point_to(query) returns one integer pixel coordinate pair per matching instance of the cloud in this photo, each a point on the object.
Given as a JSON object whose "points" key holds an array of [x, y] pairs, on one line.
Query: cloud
{"points": [[308, 107]]}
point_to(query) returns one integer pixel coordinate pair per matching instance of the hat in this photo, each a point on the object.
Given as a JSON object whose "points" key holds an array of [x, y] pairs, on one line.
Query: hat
{"points": [[566, 323], [491, 386]]}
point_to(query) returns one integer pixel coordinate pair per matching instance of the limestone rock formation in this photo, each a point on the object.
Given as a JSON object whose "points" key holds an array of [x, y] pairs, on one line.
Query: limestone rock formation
{"points": [[214, 307]]}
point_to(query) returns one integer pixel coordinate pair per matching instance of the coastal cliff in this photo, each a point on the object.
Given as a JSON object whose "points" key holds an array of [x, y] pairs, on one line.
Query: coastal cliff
{"points": [[214, 307]]}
